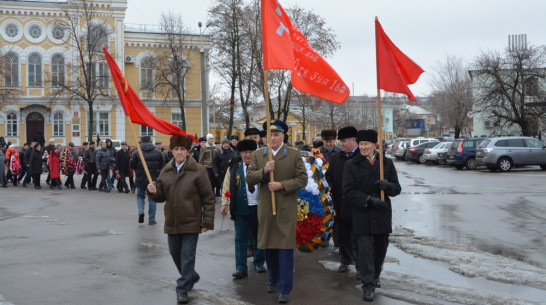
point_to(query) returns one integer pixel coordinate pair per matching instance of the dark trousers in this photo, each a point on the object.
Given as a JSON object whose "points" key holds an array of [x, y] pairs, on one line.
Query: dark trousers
{"points": [[36, 179], [372, 250], [345, 239], [27, 177], [246, 226], [182, 248], [92, 173], [69, 181], [122, 184], [212, 179], [280, 265], [103, 179], [85, 179]]}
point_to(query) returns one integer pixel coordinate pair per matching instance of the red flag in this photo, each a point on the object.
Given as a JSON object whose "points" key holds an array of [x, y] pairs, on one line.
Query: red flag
{"points": [[395, 71], [134, 108], [285, 47]]}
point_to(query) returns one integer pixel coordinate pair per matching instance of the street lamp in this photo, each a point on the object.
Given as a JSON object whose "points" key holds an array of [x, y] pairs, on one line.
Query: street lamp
{"points": [[204, 106]]}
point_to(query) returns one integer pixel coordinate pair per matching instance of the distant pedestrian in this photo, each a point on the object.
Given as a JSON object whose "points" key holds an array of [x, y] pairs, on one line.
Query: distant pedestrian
{"points": [[81, 162], [35, 165], [3, 180], [55, 168], [221, 163], [102, 160], [122, 167], [90, 166], [69, 160], [206, 158]]}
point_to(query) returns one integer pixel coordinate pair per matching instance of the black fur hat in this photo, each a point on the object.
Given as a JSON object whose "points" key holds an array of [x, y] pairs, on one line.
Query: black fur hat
{"points": [[367, 135], [245, 145], [328, 134], [252, 131], [346, 132]]}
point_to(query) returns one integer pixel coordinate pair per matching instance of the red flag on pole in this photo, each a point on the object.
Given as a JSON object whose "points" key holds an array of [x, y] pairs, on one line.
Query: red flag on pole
{"points": [[285, 47], [395, 71], [134, 108]]}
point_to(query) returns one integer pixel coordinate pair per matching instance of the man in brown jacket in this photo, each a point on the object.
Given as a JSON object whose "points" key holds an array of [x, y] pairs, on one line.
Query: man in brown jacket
{"points": [[189, 210], [277, 233]]}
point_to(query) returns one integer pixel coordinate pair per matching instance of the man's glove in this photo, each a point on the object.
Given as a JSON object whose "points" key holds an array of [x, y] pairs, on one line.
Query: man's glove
{"points": [[376, 203], [384, 185]]}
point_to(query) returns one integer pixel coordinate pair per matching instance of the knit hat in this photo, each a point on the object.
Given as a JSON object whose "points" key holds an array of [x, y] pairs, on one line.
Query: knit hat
{"points": [[210, 136], [224, 141], [180, 141], [346, 132], [367, 135], [328, 134], [245, 145]]}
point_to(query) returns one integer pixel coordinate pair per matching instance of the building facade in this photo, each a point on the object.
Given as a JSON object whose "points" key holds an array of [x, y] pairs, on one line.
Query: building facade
{"points": [[42, 43]]}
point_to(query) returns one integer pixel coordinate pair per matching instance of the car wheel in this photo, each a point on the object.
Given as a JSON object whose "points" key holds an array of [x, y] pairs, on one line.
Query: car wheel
{"points": [[459, 166], [492, 168], [504, 165], [442, 162], [543, 166], [422, 159], [470, 163]]}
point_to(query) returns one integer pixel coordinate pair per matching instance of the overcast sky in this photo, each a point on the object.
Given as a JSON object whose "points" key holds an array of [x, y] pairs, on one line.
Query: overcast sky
{"points": [[425, 30]]}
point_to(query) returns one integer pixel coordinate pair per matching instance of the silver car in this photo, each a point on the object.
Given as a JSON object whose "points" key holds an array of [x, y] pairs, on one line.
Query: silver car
{"points": [[504, 153], [431, 154]]}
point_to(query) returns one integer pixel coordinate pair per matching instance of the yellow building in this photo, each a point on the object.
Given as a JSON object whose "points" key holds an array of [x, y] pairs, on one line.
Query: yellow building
{"points": [[42, 57]]}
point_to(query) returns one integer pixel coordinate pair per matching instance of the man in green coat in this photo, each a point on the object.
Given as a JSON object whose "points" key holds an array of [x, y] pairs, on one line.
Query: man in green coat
{"points": [[277, 233]]}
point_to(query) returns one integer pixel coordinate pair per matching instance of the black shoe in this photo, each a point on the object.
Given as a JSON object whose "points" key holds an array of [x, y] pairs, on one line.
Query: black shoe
{"points": [[140, 218], [342, 268], [283, 298], [376, 283], [107, 190], [271, 288], [92, 188], [260, 269], [195, 279], [24, 184], [50, 186], [47, 182], [368, 293], [73, 187], [182, 298], [239, 275], [126, 191]]}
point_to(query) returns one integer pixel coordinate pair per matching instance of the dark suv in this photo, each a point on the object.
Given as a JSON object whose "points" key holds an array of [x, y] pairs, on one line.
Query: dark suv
{"points": [[462, 152]]}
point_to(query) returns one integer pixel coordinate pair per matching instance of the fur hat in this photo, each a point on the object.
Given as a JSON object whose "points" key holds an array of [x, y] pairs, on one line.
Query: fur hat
{"points": [[367, 135], [224, 141], [328, 134], [71, 144], [252, 131], [180, 141], [123, 143], [145, 139], [245, 145], [85, 143], [346, 132], [263, 133]]}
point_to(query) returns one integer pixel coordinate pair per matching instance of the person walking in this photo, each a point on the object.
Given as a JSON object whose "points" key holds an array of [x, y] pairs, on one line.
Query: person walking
{"points": [[334, 176], [48, 149], [277, 234], [102, 161], [112, 151], [221, 162], [14, 164], [196, 150], [241, 201], [189, 210], [154, 161], [35, 165], [69, 160], [122, 167], [206, 158], [90, 167], [81, 155], [26, 161], [55, 168], [372, 217]]}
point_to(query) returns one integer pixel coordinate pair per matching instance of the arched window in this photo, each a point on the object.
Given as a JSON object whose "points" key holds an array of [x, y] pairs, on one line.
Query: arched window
{"points": [[146, 75], [58, 126], [11, 78], [12, 125], [34, 70], [57, 71], [97, 37]]}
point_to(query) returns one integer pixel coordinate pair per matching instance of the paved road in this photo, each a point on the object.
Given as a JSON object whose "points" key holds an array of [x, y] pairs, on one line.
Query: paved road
{"points": [[82, 247]]}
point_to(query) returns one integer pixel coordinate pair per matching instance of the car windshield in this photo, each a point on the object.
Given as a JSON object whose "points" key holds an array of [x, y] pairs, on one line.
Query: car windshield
{"points": [[439, 145]]}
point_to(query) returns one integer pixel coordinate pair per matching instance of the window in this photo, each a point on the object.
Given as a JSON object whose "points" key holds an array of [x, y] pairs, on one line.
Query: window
{"points": [[531, 86], [57, 71], [502, 143], [12, 76], [34, 70], [12, 30], [58, 126], [59, 31], [35, 31], [102, 124], [469, 144], [98, 36], [12, 125], [516, 143], [534, 143], [98, 72], [176, 119], [146, 131], [146, 75]]}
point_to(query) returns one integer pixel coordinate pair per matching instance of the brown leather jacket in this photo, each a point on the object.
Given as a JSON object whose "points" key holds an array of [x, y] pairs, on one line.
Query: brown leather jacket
{"points": [[189, 199]]}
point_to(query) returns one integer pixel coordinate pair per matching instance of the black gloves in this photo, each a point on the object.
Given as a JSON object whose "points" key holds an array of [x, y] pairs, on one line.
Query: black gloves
{"points": [[376, 203], [384, 185]]}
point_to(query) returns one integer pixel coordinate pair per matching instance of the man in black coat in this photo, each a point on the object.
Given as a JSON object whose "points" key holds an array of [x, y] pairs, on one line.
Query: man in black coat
{"points": [[334, 176], [329, 147], [122, 167], [372, 217], [220, 164], [154, 161], [90, 166]]}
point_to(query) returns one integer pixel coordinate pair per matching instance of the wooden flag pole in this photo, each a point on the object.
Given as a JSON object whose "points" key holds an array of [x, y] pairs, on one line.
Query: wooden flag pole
{"points": [[269, 153], [380, 138], [140, 153]]}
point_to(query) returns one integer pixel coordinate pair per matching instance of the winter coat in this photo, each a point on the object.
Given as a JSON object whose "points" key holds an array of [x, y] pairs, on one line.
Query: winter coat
{"points": [[154, 161], [189, 198], [122, 161], [26, 156], [54, 165], [359, 180], [112, 150], [195, 152], [89, 156], [334, 177], [328, 154], [102, 159], [2, 169], [70, 159], [278, 232], [221, 161], [35, 162], [10, 152], [206, 155]]}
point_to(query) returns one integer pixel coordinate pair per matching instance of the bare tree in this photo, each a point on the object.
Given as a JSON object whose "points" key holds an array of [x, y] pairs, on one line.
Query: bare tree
{"points": [[452, 93], [9, 92], [89, 76], [305, 108], [505, 85]]}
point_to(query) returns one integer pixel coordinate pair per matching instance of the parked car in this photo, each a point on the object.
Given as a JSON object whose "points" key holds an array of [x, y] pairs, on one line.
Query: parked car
{"points": [[432, 154], [392, 149], [415, 154], [504, 153], [462, 152], [400, 150], [420, 140]]}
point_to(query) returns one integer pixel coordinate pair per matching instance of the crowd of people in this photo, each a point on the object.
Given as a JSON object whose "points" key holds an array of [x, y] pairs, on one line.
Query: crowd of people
{"points": [[245, 174]]}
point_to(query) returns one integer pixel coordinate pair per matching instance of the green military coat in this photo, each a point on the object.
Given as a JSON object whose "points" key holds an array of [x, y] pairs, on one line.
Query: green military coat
{"points": [[278, 232]]}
